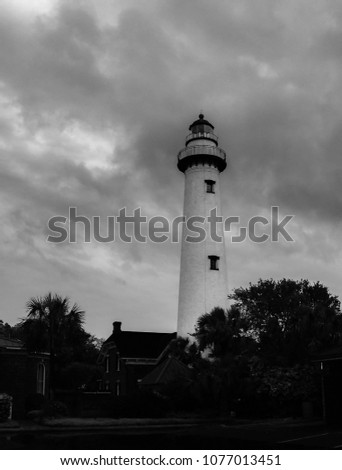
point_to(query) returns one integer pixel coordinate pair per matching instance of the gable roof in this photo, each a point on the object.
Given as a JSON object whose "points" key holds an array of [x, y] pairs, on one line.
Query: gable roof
{"points": [[328, 354], [7, 343], [139, 344], [167, 371]]}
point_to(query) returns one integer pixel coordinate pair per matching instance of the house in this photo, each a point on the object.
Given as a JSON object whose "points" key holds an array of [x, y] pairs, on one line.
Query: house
{"points": [[23, 374], [330, 364], [128, 356]]}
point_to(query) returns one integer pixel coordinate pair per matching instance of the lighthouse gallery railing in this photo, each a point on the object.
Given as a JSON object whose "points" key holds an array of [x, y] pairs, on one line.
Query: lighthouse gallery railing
{"points": [[202, 150]]}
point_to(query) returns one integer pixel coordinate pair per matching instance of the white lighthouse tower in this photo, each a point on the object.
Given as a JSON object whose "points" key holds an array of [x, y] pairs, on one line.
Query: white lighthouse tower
{"points": [[203, 276]]}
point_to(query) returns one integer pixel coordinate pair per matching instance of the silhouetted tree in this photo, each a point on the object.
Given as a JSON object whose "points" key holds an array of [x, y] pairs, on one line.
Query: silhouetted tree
{"points": [[6, 330], [225, 350], [184, 350], [54, 325], [263, 345], [290, 320]]}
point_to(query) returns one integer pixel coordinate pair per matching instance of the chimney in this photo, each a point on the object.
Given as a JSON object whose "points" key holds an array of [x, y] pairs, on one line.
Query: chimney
{"points": [[117, 327]]}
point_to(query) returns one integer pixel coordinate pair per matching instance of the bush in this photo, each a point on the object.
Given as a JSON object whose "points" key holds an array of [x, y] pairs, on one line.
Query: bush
{"points": [[34, 401], [181, 395], [55, 409], [5, 407], [140, 405], [77, 376]]}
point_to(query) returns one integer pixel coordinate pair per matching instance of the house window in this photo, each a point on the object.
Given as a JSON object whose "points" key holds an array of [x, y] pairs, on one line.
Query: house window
{"points": [[117, 362], [210, 184], [107, 386], [41, 378], [117, 388], [214, 262], [107, 363]]}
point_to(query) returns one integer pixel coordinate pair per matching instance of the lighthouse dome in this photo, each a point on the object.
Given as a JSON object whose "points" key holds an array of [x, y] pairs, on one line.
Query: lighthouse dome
{"points": [[201, 125]]}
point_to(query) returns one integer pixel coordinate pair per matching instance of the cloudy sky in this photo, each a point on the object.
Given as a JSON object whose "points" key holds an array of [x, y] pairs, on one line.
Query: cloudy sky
{"points": [[96, 99]]}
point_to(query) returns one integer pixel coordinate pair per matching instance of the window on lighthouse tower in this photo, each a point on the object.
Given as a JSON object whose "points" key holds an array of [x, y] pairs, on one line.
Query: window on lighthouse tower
{"points": [[214, 262], [210, 186]]}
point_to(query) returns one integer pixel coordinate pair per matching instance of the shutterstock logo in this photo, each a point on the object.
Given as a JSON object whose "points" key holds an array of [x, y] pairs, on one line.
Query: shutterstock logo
{"points": [[139, 228]]}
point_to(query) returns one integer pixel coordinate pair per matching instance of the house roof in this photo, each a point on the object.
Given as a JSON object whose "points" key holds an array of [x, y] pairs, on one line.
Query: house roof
{"points": [[329, 355], [140, 344], [7, 343], [167, 371]]}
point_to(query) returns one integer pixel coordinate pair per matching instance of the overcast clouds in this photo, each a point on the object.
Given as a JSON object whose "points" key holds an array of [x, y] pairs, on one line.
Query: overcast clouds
{"points": [[96, 99]]}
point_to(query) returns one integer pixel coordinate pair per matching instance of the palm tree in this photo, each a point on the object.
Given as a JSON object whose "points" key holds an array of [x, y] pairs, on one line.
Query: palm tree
{"points": [[221, 336], [50, 323]]}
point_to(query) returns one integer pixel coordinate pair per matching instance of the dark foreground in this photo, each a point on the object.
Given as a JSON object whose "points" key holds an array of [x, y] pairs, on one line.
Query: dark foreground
{"points": [[266, 435]]}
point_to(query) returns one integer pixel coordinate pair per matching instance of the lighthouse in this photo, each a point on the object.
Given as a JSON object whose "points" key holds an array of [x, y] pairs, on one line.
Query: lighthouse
{"points": [[203, 276]]}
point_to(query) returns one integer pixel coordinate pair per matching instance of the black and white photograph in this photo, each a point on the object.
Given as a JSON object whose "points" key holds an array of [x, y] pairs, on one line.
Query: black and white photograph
{"points": [[170, 242]]}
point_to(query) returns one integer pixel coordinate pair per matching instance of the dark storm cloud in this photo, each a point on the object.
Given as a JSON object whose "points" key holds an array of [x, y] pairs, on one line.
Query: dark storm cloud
{"points": [[94, 112]]}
